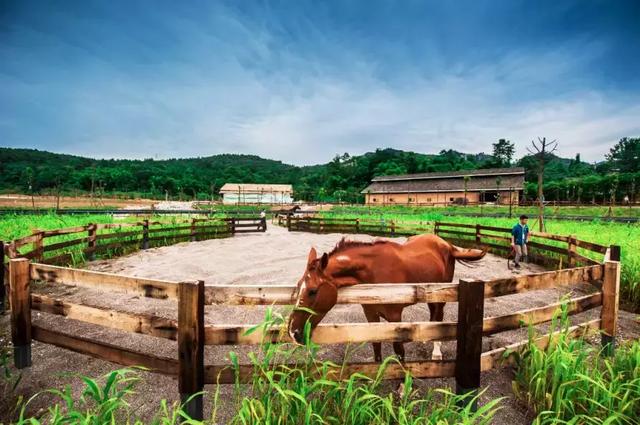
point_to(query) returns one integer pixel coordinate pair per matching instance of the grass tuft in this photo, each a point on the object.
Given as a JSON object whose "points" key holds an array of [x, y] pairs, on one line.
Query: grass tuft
{"points": [[572, 382]]}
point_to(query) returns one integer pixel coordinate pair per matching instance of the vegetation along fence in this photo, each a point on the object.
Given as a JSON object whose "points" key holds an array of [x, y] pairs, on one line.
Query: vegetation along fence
{"points": [[192, 334]]}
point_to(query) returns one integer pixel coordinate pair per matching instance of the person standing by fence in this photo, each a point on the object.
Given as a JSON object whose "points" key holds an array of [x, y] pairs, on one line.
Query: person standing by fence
{"points": [[519, 239]]}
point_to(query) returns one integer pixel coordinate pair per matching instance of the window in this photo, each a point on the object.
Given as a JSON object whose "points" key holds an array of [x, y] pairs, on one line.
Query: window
{"points": [[410, 199], [375, 200], [450, 199], [428, 199], [390, 199]]}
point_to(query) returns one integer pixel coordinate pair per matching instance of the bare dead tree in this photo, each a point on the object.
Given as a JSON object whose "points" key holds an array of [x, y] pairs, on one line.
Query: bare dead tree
{"points": [[539, 150]]}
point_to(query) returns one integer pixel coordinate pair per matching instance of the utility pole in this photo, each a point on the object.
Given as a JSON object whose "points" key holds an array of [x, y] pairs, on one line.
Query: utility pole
{"points": [[539, 150], [510, 201]]}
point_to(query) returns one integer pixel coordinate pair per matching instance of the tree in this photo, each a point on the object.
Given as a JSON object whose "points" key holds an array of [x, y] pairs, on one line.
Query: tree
{"points": [[613, 188], [466, 185], [339, 195], [625, 155], [539, 150], [28, 176], [503, 151]]}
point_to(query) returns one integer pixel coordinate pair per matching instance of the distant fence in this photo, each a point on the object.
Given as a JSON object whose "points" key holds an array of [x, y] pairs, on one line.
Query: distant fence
{"points": [[192, 334], [150, 212], [556, 250], [613, 219], [123, 212]]}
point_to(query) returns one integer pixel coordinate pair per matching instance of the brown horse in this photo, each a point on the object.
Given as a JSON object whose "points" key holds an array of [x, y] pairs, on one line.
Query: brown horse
{"points": [[423, 258]]}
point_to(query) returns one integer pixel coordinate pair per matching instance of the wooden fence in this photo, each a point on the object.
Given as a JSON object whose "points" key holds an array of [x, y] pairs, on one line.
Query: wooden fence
{"points": [[544, 248], [100, 238], [192, 334], [70, 246]]}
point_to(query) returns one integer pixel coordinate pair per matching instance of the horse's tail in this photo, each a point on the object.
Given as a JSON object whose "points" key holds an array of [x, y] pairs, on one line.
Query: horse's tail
{"points": [[464, 256]]}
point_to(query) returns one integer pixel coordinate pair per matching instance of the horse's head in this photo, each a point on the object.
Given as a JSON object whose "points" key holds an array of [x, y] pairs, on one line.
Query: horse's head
{"points": [[317, 294]]}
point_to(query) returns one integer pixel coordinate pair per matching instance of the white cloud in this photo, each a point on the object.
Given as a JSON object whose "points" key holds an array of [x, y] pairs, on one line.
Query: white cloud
{"points": [[235, 88]]}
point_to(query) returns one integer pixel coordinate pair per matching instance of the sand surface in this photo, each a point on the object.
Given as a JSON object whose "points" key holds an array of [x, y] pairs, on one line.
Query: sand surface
{"points": [[273, 257]]}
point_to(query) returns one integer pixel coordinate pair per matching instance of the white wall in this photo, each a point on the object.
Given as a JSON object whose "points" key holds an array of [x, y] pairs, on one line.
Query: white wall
{"points": [[257, 198]]}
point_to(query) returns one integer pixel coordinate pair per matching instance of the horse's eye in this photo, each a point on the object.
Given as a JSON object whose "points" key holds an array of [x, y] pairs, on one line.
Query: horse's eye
{"points": [[313, 292]]}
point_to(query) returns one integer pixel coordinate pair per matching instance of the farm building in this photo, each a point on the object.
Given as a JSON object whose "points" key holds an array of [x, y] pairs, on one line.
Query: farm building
{"points": [[442, 188], [249, 193]]}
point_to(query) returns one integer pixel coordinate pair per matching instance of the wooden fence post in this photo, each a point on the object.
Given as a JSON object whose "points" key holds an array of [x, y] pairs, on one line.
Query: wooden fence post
{"points": [[571, 249], [610, 299], [469, 339], [191, 347], [393, 228], [478, 239], [19, 281], [91, 240], [233, 226], [436, 227], [3, 291], [289, 222], [38, 245], [145, 234], [358, 225], [263, 223], [193, 230]]}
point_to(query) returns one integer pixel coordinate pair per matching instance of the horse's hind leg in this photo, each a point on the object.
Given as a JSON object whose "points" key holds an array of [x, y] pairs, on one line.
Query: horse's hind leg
{"points": [[373, 316], [436, 314]]}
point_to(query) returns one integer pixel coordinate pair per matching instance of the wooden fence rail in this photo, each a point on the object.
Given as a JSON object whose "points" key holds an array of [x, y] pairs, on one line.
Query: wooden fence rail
{"points": [[390, 293]]}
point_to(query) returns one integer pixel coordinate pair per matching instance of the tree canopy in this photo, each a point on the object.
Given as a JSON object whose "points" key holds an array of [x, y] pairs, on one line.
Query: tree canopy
{"points": [[342, 179]]}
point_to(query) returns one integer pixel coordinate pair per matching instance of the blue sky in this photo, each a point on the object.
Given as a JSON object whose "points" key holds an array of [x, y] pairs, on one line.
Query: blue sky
{"points": [[301, 81]]}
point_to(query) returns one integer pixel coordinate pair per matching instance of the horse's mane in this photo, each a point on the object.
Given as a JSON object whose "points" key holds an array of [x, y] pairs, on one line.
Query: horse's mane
{"points": [[345, 244]]}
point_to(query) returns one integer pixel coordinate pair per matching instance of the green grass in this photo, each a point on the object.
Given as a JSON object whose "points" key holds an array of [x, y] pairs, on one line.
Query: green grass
{"points": [[305, 400], [597, 231], [304, 393], [308, 393], [571, 382], [103, 401], [16, 226]]}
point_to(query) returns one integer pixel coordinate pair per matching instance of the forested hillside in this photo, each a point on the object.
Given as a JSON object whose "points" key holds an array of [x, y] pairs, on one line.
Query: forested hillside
{"points": [[26, 170]]}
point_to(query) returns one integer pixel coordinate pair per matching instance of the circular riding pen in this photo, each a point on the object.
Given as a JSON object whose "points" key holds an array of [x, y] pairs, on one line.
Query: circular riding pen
{"points": [[575, 262]]}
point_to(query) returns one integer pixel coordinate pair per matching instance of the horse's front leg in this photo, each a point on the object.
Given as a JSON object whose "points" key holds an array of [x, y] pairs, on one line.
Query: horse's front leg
{"points": [[394, 314], [436, 314], [372, 316]]}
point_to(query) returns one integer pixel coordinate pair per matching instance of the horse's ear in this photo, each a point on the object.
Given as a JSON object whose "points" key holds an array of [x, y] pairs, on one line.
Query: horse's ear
{"points": [[312, 256], [324, 261]]}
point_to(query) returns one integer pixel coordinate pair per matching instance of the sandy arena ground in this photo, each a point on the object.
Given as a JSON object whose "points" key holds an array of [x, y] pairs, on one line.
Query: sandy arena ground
{"points": [[274, 257]]}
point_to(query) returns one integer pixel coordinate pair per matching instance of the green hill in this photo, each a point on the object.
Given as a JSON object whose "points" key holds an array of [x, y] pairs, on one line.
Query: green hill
{"points": [[341, 179]]}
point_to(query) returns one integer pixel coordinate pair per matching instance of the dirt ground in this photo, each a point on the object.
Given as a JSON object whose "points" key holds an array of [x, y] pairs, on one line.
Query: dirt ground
{"points": [[273, 257], [25, 201]]}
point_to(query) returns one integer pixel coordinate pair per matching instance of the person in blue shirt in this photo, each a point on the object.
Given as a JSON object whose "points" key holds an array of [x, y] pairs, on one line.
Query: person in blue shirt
{"points": [[519, 239]]}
